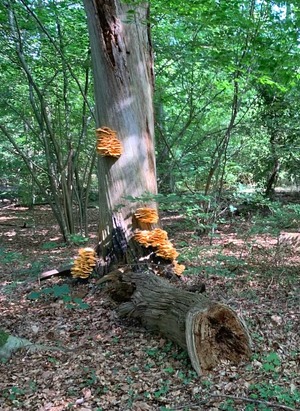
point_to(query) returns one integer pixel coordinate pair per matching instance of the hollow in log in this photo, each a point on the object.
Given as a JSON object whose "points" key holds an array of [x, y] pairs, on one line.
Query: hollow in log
{"points": [[210, 331]]}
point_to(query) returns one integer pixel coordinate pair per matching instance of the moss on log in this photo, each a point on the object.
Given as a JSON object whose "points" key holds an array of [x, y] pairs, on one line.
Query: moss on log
{"points": [[210, 331]]}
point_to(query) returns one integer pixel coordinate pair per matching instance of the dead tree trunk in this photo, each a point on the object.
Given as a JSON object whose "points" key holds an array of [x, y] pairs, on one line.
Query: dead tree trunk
{"points": [[122, 60], [208, 330]]}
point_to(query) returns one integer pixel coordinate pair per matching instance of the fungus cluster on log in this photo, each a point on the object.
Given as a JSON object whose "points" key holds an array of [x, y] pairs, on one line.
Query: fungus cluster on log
{"points": [[153, 238], [84, 263], [108, 144]]}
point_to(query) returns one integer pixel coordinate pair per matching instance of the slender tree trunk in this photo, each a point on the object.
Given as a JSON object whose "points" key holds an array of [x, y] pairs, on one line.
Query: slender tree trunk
{"points": [[273, 176], [123, 81]]}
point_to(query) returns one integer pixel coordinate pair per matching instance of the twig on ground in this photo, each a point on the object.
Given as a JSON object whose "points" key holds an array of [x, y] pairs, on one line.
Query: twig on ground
{"points": [[238, 399]]}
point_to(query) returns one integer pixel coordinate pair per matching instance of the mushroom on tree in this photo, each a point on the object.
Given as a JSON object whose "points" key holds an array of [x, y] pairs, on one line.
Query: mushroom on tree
{"points": [[107, 143], [84, 263], [145, 217], [167, 251], [178, 268]]}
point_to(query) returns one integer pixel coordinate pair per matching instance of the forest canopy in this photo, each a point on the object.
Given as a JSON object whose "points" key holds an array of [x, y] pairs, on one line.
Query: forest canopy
{"points": [[226, 92]]}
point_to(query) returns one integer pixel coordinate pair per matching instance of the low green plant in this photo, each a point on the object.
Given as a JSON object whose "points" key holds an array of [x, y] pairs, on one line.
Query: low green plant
{"points": [[3, 337], [152, 352], [13, 394], [273, 393], [163, 389], [280, 217], [187, 377], [169, 370], [8, 257], [77, 239], [91, 377], [50, 245], [227, 405], [59, 291], [271, 362]]}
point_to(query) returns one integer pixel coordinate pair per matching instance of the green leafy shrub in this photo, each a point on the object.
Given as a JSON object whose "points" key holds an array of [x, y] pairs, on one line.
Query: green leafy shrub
{"points": [[59, 291], [3, 337]]}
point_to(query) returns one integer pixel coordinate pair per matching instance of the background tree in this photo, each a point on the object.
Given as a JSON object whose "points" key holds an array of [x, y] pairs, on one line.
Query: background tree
{"points": [[215, 63], [45, 107], [211, 64]]}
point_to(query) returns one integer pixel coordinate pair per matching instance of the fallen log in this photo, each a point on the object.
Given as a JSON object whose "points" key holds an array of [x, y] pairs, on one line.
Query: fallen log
{"points": [[210, 331]]}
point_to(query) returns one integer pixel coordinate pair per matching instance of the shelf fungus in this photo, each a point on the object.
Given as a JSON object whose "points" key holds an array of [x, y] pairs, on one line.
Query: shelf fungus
{"points": [[142, 237], [84, 263], [107, 143], [158, 239], [153, 238], [146, 215], [178, 268], [167, 251]]}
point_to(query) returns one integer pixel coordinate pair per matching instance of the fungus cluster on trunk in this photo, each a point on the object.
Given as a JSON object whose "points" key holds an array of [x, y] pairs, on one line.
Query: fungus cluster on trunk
{"points": [[108, 144], [156, 238], [84, 263]]}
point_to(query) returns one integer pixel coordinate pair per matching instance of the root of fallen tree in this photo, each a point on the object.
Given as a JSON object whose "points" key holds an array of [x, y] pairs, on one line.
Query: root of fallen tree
{"points": [[210, 331]]}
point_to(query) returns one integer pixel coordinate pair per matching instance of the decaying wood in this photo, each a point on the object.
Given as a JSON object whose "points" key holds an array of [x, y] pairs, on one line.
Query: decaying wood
{"points": [[210, 331], [122, 58]]}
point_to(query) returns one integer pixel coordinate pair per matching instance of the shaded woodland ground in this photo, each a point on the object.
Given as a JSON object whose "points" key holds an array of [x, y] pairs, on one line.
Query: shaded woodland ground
{"points": [[114, 364]]}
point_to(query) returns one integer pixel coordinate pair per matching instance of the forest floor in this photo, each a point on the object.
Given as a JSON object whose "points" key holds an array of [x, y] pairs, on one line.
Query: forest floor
{"points": [[113, 364]]}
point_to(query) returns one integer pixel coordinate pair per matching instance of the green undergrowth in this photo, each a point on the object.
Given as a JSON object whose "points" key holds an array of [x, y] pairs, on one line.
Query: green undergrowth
{"points": [[57, 291], [3, 337]]}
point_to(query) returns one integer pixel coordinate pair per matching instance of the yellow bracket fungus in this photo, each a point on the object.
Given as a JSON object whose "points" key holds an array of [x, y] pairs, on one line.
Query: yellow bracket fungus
{"points": [[84, 263], [107, 143], [167, 251], [157, 238], [146, 215], [178, 268]]}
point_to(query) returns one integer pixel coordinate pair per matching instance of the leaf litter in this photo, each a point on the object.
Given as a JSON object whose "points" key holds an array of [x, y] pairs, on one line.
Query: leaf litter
{"points": [[114, 364]]}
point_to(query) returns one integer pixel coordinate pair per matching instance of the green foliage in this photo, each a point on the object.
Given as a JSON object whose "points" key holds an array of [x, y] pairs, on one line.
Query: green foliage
{"points": [[62, 292], [273, 393], [163, 390], [46, 95], [271, 362], [281, 217], [270, 391], [90, 377], [213, 58], [78, 239], [13, 394], [3, 337], [225, 102], [50, 245], [8, 257]]}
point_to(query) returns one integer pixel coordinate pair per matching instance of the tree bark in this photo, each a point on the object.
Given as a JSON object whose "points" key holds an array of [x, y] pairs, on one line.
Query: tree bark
{"points": [[123, 81], [210, 331]]}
